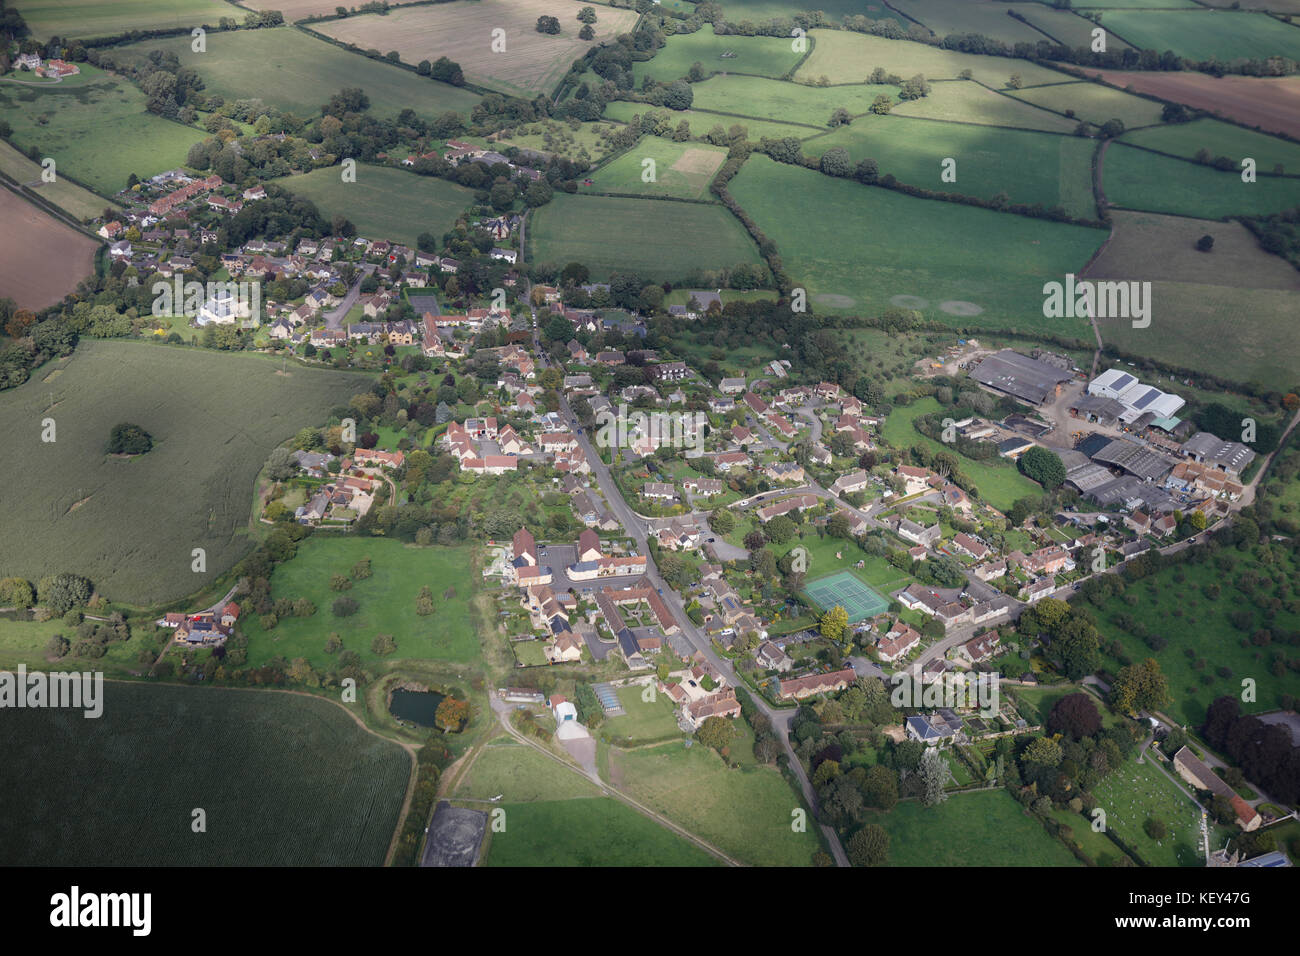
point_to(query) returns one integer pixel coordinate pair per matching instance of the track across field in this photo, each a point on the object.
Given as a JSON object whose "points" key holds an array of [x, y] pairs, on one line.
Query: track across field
{"points": [[843, 588]]}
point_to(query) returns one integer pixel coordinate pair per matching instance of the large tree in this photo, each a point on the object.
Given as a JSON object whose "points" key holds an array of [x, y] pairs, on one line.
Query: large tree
{"points": [[1044, 466], [869, 846]]}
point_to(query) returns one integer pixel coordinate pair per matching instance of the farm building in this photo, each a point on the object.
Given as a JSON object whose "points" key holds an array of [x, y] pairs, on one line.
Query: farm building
{"points": [[1020, 376], [1138, 400]]}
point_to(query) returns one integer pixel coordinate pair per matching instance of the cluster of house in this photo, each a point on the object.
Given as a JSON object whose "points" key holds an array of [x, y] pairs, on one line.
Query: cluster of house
{"points": [[482, 446], [726, 615], [53, 68], [948, 609], [700, 692], [206, 628], [349, 494]]}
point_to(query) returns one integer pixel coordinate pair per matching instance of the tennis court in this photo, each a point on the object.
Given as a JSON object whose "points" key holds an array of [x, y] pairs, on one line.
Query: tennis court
{"points": [[845, 589]]}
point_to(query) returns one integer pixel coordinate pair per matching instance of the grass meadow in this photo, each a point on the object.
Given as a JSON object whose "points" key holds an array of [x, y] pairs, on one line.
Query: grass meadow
{"points": [[1029, 167], [744, 811], [101, 18], [755, 96], [1206, 34], [658, 240], [644, 720], [387, 602], [985, 828], [96, 130], [955, 16], [757, 56], [80, 203], [130, 524], [1139, 179], [844, 57], [285, 780], [867, 245], [701, 122], [964, 102], [681, 170], [386, 202], [1093, 102], [1221, 139], [298, 73]]}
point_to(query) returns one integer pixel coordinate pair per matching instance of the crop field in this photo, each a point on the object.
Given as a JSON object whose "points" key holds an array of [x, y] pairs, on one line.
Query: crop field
{"points": [[960, 16], [963, 102], [130, 524], [760, 56], [1094, 103], [285, 780], [43, 258], [100, 18], [79, 203], [845, 57], [681, 170], [531, 62], [386, 602], [783, 101], [96, 130], [298, 73], [386, 202], [1269, 103], [1192, 620], [745, 812], [656, 239], [999, 482], [1137, 792], [1206, 34], [1138, 179], [1029, 167], [1221, 139], [585, 833], [959, 264], [986, 828], [701, 122]]}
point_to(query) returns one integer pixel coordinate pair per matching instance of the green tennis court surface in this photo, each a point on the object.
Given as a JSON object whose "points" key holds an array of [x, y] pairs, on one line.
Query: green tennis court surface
{"points": [[845, 589]]}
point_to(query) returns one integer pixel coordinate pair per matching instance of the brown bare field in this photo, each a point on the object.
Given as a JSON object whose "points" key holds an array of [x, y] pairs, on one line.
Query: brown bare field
{"points": [[531, 62], [1271, 103], [43, 258], [299, 9]]}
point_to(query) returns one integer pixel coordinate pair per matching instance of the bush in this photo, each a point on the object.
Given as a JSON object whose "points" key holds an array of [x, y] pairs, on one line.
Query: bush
{"points": [[344, 607]]}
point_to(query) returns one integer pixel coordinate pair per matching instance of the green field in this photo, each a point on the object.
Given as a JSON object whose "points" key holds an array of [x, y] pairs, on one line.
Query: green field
{"points": [[754, 96], [519, 774], [96, 130], [1254, 296], [387, 602], [1190, 619], [745, 812], [1206, 34], [757, 11], [298, 73], [78, 202], [701, 122], [1138, 4], [1000, 483], [680, 170], [985, 828], [585, 833], [1098, 847], [1138, 179], [99, 18], [965, 102], [284, 780], [384, 203], [1029, 167], [644, 720], [760, 56], [1138, 791], [657, 240], [844, 57], [551, 136], [1067, 27], [135, 521], [1221, 139], [1094, 103], [959, 16], [945, 253]]}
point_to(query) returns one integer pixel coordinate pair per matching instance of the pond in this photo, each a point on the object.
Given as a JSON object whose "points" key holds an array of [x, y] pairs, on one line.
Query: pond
{"points": [[415, 706]]}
